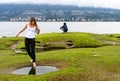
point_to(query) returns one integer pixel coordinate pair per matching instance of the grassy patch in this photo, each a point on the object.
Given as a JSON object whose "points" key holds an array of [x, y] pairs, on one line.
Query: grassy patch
{"points": [[76, 64], [64, 40], [72, 40], [6, 43]]}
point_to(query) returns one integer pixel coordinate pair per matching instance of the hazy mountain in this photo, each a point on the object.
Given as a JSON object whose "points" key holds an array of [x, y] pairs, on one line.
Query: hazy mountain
{"points": [[22, 12]]}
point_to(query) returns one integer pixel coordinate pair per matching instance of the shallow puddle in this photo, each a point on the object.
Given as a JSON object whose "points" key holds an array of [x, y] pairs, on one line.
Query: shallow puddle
{"points": [[34, 71]]}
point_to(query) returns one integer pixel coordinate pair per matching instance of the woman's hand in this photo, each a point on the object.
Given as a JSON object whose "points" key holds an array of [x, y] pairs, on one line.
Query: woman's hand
{"points": [[37, 30], [17, 35]]}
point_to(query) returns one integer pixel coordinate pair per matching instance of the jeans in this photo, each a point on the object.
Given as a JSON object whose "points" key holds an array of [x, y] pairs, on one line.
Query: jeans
{"points": [[30, 47]]}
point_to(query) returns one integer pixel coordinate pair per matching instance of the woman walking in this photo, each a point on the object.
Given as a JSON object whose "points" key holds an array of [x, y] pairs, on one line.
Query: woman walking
{"points": [[32, 28]]}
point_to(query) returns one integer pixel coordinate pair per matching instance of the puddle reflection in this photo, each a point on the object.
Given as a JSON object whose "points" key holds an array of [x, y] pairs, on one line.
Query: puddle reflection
{"points": [[34, 71]]}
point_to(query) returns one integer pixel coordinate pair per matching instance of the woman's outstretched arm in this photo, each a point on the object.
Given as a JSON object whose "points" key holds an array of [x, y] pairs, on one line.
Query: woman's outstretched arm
{"points": [[21, 31]]}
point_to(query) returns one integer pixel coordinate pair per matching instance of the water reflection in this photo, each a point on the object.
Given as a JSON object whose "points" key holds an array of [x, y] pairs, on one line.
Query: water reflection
{"points": [[34, 71]]}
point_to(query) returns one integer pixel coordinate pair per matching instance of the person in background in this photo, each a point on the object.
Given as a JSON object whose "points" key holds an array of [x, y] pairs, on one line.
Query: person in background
{"points": [[64, 27], [32, 29]]}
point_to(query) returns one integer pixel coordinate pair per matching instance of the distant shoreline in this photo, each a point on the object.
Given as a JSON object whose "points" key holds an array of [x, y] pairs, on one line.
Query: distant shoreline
{"points": [[64, 13]]}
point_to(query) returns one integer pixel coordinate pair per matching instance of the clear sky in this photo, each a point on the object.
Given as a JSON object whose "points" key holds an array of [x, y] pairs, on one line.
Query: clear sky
{"points": [[94, 3]]}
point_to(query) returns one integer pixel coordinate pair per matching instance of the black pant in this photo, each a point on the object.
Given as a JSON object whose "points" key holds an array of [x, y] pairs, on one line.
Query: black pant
{"points": [[30, 47]]}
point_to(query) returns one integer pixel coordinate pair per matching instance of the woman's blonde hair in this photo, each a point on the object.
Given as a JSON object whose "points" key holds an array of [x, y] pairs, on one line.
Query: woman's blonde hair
{"points": [[33, 19]]}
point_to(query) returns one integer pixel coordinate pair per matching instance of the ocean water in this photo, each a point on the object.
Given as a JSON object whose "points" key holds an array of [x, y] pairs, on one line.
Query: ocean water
{"points": [[12, 28]]}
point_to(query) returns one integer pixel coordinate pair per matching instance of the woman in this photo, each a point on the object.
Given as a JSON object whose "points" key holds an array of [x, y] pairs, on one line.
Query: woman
{"points": [[32, 28]]}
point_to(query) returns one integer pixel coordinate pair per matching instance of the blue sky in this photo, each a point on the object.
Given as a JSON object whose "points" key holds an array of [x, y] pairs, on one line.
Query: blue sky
{"points": [[94, 3]]}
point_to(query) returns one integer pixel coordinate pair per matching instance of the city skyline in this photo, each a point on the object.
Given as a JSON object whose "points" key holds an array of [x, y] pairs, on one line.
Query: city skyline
{"points": [[94, 3]]}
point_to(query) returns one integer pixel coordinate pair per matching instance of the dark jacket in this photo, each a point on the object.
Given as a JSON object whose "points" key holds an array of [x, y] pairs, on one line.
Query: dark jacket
{"points": [[64, 28]]}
